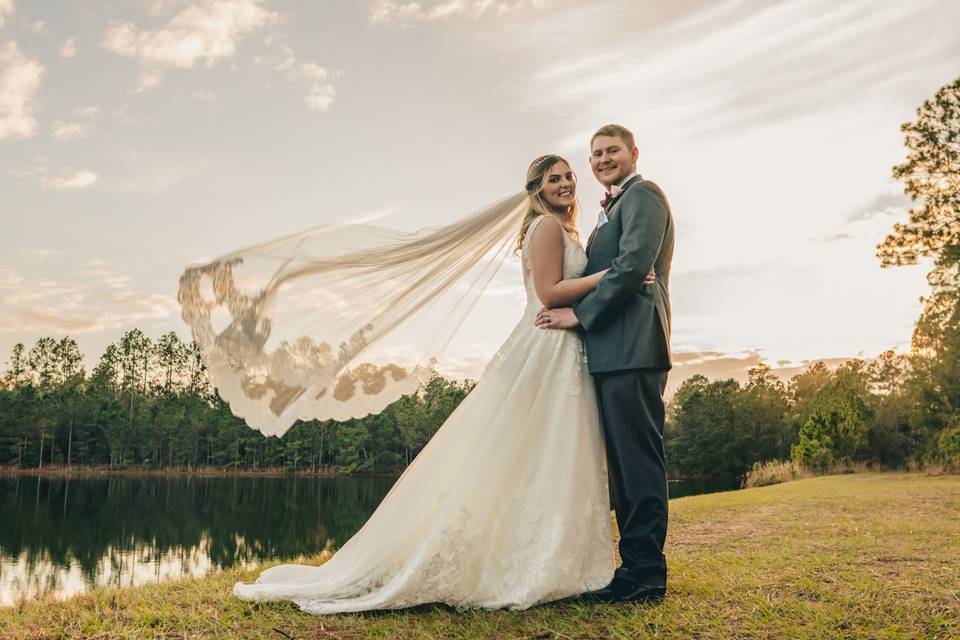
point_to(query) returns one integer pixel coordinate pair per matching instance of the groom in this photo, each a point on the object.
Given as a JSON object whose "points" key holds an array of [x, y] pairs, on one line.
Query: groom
{"points": [[626, 328]]}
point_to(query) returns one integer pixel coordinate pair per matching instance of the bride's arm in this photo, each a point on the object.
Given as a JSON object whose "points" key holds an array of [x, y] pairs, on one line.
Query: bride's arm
{"points": [[546, 257]]}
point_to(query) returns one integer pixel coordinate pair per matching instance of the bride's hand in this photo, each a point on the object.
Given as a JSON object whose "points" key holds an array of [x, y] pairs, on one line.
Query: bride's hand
{"points": [[541, 316], [562, 318]]}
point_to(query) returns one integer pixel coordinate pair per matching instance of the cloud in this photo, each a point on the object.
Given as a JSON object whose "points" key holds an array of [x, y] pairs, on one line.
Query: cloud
{"points": [[36, 170], [151, 173], [38, 253], [200, 33], [19, 81], [77, 180], [101, 271], [40, 171], [122, 115], [161, 7], [203, 95], [40, 27], [70, 130], [210, 31], [126, 153], [833, 237], [6, 10], [816, 53], [101, 298], [717, 365], [149, 78], [15, 289], [320, 93], [87, 112], [866, 221], [714, 365], [315, 79], [69, 49], [737, 65], [387, 11], [891, 202], [54, 319]]}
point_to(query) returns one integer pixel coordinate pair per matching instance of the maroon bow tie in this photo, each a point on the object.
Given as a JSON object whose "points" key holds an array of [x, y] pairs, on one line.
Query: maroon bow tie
{"points": [[608, 197]]}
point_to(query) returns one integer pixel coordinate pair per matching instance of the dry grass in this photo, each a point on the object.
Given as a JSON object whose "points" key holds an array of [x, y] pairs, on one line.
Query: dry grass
{"points": [[763, 474], [851, 556]]}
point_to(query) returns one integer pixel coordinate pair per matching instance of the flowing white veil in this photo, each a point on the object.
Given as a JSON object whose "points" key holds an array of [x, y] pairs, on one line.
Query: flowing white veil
{"points": [[339, 321]]}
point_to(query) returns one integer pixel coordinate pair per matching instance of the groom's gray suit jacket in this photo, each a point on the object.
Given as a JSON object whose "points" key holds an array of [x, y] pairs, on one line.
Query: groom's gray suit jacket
{"points": [[626, 323]]}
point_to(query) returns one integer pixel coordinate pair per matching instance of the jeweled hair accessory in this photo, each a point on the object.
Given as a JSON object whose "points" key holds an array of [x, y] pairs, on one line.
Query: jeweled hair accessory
{"points": [[533, 184]]}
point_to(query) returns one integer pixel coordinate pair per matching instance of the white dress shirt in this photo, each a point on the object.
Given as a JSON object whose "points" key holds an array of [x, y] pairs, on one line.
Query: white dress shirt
{"points": [[602, 218]]}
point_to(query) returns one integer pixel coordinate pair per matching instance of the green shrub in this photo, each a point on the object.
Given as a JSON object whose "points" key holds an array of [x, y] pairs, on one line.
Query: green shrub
{"points": [[815, 447], [948, 446]]}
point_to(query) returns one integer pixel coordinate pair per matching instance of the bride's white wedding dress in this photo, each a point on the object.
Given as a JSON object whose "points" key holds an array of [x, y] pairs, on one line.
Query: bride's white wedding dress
{"points": [[506, 506]]}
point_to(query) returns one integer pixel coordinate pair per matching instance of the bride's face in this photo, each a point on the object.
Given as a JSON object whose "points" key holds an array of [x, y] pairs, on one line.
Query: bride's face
{"points": [[560, 187]]}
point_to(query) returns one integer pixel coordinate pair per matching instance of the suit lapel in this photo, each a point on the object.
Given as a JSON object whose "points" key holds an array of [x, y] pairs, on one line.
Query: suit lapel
{"points": [[593, 234], [629, 183], [609, 208]]}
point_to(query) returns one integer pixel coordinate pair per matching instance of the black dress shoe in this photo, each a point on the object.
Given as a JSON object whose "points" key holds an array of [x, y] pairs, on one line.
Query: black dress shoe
{"points": [[622, 591], [643, 593], [607, 594]]}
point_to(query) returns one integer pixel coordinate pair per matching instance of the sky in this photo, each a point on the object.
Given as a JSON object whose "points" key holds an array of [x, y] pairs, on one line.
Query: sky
{"points": [[139, 136]]}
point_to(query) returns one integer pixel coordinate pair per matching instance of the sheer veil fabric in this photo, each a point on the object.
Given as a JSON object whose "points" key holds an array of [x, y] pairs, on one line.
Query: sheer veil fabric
{"points": [[339, 321]]}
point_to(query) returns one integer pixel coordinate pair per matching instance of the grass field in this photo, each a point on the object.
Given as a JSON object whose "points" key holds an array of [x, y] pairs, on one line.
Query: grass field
{"points": [[853, 556]]}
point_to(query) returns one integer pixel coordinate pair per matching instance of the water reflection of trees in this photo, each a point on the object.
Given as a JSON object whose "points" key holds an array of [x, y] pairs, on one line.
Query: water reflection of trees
{"points": [[70, 523]]}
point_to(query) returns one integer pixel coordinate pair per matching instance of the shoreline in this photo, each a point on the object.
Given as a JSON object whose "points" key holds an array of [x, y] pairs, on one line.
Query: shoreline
{"points": [[75, 471]]}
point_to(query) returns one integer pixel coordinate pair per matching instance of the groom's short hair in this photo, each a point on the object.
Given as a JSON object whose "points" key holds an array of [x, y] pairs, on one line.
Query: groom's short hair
{"points": [[617, 131]]}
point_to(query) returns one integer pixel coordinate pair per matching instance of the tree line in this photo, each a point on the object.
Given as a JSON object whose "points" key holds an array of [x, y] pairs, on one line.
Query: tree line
{"points": [[893, 411], [890, 412], [150, 403]]}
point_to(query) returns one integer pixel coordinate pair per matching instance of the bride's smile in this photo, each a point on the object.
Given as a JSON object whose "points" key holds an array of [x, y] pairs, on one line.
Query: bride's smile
{"points": [[560, 187]]}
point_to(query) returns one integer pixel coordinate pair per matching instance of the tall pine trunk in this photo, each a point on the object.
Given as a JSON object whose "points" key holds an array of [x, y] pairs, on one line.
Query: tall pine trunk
{"points": [[70, 441]]}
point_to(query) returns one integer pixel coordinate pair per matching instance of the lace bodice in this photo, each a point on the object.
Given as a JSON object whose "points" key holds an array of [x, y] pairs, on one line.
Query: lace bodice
{"points": [[574, 262], [530, 353]]}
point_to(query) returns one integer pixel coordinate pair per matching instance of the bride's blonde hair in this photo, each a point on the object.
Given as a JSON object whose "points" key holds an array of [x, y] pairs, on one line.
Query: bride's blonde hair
{"points": [[537, 206]]}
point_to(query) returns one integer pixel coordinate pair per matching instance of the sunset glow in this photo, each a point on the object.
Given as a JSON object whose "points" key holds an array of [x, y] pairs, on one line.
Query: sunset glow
{"points": [[139, 137]]}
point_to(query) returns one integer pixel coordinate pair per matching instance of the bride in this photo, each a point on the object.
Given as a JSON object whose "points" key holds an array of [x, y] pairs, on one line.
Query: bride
{"points": [[507, 505]]}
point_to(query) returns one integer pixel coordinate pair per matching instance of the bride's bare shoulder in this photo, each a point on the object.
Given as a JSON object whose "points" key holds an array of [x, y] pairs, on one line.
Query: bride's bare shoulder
{"points": [[545, 230]]}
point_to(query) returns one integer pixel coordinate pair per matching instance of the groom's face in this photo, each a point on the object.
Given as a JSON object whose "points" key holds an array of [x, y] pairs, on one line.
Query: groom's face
{"points": [[611, 159]]}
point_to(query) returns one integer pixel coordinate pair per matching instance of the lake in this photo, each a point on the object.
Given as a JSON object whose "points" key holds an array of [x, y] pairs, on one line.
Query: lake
{"points": [[64, 535]]}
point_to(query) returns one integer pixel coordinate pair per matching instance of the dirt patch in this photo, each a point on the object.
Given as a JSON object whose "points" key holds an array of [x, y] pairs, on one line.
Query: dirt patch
{"points": [[730, 528]]}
